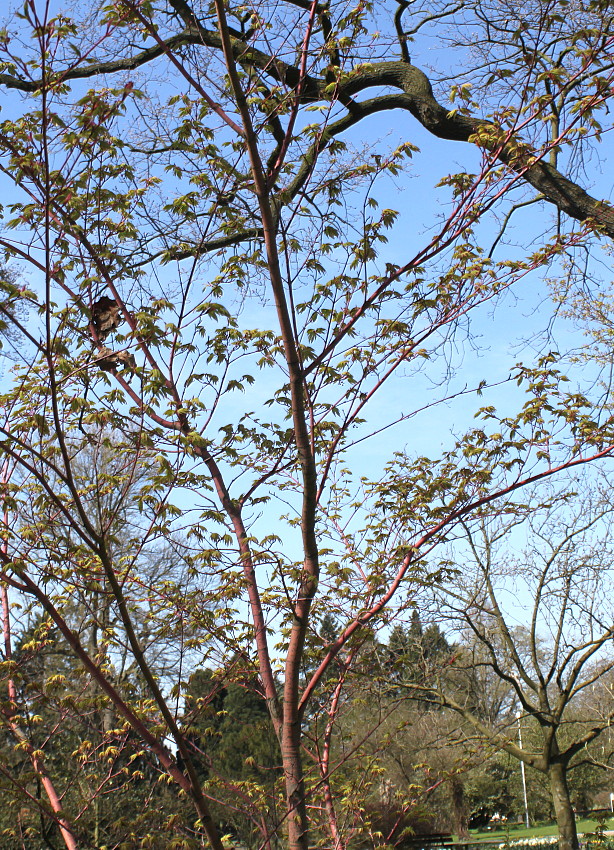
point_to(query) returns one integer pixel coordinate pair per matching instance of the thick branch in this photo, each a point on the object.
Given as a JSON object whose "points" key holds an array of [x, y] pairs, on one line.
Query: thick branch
{"points": [[497, 738], [85, 71], [418, 99], [566, 195]]}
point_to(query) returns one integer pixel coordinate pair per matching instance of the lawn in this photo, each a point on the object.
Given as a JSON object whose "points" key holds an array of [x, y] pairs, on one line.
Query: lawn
{"points": [[516, 831]]}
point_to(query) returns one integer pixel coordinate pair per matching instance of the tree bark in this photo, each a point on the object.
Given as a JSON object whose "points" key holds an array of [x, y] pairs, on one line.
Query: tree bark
{"points": [[565, 818], [290, 738], [297, 820], [461, 819]]}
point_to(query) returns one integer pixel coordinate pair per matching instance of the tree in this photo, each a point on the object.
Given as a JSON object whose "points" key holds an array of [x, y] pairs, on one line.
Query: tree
{"points": [[75, 753], [57, 756], [429, 751], [11, 308], [197, 225], [561, 587], [230, 728]]}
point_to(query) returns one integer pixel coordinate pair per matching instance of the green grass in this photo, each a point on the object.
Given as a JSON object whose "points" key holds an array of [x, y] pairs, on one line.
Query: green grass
{"points": [[517, 831]]}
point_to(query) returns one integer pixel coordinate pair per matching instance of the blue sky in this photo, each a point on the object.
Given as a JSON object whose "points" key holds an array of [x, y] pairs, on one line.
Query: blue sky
{"points": [[501, 335]]}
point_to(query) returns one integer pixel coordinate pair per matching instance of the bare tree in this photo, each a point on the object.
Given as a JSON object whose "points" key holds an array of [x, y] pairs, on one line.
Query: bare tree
{"points": [[537, 619]]}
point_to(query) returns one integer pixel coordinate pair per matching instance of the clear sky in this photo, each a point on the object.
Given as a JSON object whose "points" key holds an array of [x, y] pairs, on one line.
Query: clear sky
{"points": [[499, 334]]}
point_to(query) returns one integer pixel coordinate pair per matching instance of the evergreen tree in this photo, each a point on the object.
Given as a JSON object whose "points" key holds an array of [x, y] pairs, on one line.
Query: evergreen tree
{"points": [[238, 755], [416, 653]]}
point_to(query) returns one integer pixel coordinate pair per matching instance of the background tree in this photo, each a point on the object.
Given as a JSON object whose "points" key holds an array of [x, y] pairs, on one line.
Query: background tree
{"points": [[12, 309], [230, 729], [559, 583]]}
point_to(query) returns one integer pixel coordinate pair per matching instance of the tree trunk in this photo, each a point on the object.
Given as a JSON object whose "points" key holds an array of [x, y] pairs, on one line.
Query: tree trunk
{"points": [[297, 821], [461, 818], [565, 818]]}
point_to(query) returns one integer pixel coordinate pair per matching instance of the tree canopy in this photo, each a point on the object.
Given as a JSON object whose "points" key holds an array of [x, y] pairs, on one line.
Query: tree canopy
{"points": [[224, 247]]}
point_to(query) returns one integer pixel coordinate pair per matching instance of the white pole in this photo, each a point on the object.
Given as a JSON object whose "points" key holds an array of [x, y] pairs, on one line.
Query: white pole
{"points": [[524, 780]]}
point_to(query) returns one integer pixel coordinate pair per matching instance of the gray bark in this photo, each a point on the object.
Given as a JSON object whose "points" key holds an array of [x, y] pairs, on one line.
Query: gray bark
{"points": [[565, 818]]}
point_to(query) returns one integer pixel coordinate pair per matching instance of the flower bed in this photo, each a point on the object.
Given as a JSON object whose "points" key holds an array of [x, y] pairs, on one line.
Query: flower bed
{"points": [[543, 841]]}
